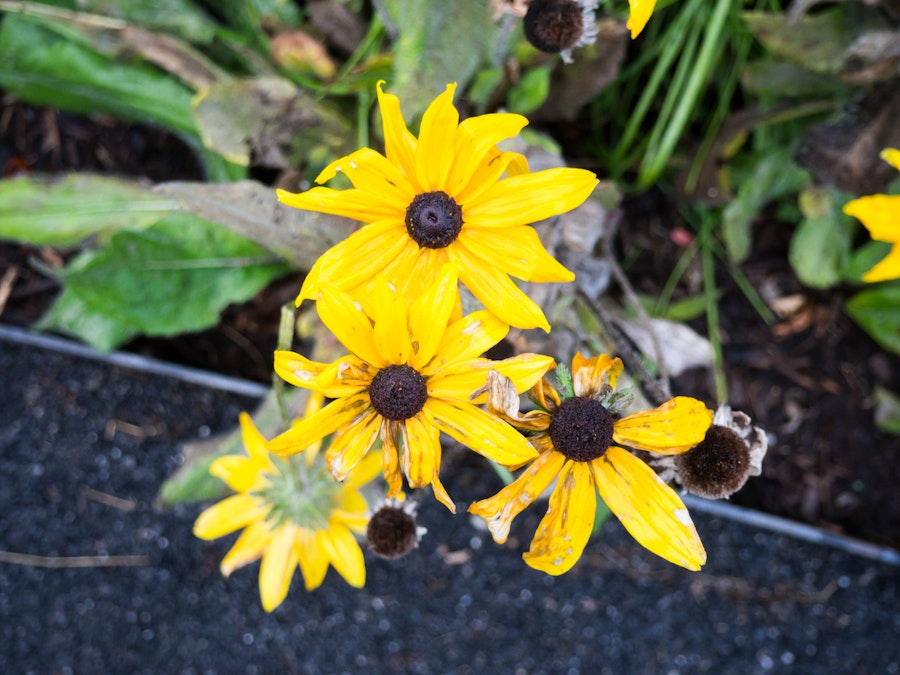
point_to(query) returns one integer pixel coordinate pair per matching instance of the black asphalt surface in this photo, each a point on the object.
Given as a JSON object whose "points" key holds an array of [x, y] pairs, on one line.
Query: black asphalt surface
{"points": [[73, 430]]}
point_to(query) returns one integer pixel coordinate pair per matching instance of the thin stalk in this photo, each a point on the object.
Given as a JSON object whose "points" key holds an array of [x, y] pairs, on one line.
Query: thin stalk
{"points": [[712, 309]]}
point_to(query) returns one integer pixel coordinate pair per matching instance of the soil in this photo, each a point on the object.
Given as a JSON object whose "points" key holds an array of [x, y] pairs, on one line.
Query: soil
{"points": [[807, 379]]}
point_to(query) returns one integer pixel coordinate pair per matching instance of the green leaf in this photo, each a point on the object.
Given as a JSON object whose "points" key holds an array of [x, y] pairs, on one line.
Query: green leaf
{"points": [[865, 258], [173, 277], [180, 17], [686, 309], [39, 210], [440, 42], [820, 244], [42, 68], [887, 410], [773, 177], [530, 91], [877, 311]]}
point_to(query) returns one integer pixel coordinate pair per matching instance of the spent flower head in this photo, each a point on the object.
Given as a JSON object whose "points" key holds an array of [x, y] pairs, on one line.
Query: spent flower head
{"points": [[559, 26], [410, 375], [438, 198], [577, 441], [293, 514]]}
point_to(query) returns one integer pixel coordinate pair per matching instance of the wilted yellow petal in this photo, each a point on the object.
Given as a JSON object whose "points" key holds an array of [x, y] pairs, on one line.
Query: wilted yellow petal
{"points": [[390, 457], [351, 443], [565, 530], [421, 453], [674, 427], [648, 508], [364, 472], [589, 375], [230, 514], [500, 510], [334, 416], [277, 568]]}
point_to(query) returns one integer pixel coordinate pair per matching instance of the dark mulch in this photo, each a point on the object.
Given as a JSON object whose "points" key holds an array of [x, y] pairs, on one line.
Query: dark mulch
{"points": [[807, 380]]}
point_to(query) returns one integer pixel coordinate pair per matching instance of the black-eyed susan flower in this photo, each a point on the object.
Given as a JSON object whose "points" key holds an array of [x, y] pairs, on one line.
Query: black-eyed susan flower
{"points": [[559, 26], [293, 514], [410, 375], [880, 214], [639, 15], [438, 198], [576, 437]]}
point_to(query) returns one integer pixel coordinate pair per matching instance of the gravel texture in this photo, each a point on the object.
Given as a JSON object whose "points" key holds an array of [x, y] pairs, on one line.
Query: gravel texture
{"points": [[73, 430]]}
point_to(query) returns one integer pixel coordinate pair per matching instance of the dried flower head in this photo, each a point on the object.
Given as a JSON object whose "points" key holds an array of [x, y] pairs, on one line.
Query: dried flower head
{"points": [[558, 26], [392, 531]]}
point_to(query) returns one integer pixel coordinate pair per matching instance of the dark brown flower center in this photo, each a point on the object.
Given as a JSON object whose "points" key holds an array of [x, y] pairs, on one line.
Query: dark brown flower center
{"points": [[391, 532], [717, 467], [434, 219], [581, 429], [398, 392], [553, 25]]}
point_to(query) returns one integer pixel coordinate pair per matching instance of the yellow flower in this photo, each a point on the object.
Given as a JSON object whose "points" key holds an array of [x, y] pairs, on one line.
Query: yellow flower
{"points": [[441, 198], [881, 216], [292, 512], [574, 438], [410, 374], [640, 11]]}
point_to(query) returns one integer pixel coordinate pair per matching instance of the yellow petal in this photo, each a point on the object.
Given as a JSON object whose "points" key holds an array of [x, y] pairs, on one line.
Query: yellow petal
{"points": [[241, 474], [277, 568], [481, 431], [495, 291], [248, 548], [255, 442], [465, 340], [528, 198], [888, 268], [486, 174], [500, 510], [345, 317], [345, 554], [429, 315], [420, 455], [358, 258], [390, 458], [230, 514], [879, 213], [313, 559], [518, 252], [399, 143], [355, 204], [475, 136], [892, 157], [648, 508], [674, 427], [364, 472], [565, 530], [589, 375], [434, 153], [351, 443], [440, 492], [371, 172], [391, 330], [524, 370], [639, 16], [329, 419]]}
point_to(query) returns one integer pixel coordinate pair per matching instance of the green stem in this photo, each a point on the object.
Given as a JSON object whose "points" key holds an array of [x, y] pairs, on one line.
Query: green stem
{"points": [[712, 310]]}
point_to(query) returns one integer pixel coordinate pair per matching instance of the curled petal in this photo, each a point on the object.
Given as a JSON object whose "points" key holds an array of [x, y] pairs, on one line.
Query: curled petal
{"points": [[672, 428], [590, 375], [351, 443], [648, 508], [421, 456], [502, 399], [565, 530], [390, 461]]}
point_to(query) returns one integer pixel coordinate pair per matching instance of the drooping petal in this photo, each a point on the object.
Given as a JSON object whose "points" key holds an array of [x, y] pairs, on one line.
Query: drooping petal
{"points": [[229, 515], [364, 472], [465, 340], [528, 198], [391, 329], [371, 172], [329, 419], [500, 510], [566, 528], [481, 431], [241, 474], [355, 204], [879, 213], [277, 568], [648, 508], [474, 137], [345, 317], [312, 557], [639, 16], [429, 315], [399, 143], [421, 450], [351, 443], [888, 268], [518, 252], [497, 292], [589, 375], [434, 152], [248, 548], [674, 427], [440, 492], [345, 554]]}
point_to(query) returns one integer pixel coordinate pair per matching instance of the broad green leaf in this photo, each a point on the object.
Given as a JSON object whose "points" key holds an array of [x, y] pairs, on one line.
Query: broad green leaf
{"points": [[686, 309], [865, 258], [773, 177], [484, 86], [887, 410], [42, 68], [440, 42], [530, 92], [63, 212], [877, 311], [180, 17], [173, 277], [776, 80], [820, 244]]}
